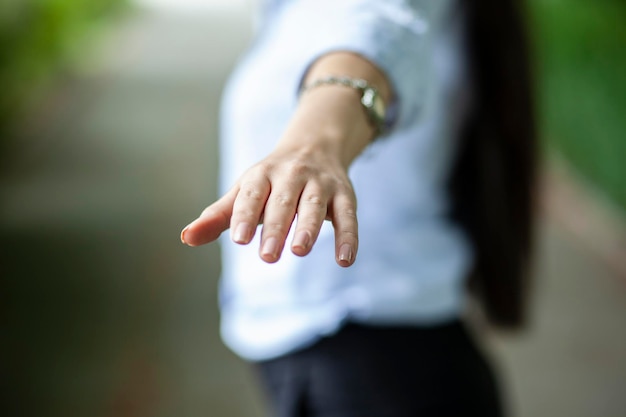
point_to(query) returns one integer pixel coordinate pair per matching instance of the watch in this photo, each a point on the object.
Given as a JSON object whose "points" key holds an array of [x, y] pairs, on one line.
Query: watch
{"points": [[378, 114]]}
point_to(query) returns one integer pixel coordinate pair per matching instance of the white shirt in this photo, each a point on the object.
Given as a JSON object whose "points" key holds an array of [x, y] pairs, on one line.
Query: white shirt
{"points": [[412, 259]]}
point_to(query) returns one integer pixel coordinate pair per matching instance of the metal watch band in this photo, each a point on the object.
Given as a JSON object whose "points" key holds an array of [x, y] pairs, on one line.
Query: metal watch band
{"points": [[370, 99]]}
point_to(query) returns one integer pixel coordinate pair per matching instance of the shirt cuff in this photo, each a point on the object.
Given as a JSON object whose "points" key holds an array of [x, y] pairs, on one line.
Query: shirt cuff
{"points": [[396, 36]]}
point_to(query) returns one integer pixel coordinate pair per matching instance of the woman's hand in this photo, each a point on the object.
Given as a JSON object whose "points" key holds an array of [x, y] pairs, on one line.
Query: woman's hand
{"points": [[305, 177], [308, 182]]}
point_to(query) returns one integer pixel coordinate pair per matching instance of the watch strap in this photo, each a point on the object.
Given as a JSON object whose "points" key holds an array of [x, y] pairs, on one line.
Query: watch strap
{"points": [[371, 100]]}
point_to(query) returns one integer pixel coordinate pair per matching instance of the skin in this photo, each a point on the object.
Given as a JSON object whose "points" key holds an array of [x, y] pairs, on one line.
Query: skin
{"points": [[306, 173]]}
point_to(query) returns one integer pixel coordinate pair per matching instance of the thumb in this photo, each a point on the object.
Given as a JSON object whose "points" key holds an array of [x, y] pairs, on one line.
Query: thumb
{"points": [[212, 222]]}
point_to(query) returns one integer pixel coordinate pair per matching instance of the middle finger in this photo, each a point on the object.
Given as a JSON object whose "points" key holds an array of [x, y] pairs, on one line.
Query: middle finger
{"points": [[279, 214]]}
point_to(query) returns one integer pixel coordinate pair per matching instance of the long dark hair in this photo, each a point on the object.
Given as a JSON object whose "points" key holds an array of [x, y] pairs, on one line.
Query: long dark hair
{"points": [[492, 181]]}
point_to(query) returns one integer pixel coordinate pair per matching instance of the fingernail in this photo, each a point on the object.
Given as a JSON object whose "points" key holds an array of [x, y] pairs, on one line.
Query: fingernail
{"points": [[345, 253], [270, 248], [242, 233], [302, 239], [182, 235]]}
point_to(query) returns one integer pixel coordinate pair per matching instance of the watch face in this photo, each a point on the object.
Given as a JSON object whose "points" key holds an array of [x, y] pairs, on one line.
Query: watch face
{"points": [[374, 103]]}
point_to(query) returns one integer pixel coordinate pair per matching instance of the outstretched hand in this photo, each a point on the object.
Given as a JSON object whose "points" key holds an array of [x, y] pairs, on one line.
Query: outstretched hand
{"points": [[305, 179], [306, 182]]}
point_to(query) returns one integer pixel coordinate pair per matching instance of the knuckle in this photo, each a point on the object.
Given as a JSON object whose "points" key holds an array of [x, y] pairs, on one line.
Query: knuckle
{"points": [[283, 200], [344, 186], [348, 213], [349, 232], [261, 168], [276, 228], [328, 181], [252, 192], [347, 191], [244, 213], [309, 222], [314, 200], [297, 169]]}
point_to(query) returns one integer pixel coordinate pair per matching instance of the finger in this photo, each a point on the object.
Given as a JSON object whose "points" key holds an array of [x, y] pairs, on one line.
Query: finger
{"points": [[212, 222], [248, 209], [312, 209], [279, 214], [344, 220]]}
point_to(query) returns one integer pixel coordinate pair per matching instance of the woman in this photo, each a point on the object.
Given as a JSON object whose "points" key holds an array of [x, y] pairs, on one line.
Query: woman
{"points": [[421, 109]]}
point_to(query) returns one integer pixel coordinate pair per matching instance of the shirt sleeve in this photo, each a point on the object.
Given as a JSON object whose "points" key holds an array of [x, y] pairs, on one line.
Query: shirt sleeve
{"points": [[395, 35]]}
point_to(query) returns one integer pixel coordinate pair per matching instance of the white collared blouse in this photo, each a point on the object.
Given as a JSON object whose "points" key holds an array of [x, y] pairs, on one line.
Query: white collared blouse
{"points": [[412, 260]]}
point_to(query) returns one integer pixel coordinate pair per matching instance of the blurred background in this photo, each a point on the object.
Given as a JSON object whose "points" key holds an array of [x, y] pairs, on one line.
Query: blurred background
{"points": [[108, 114]]}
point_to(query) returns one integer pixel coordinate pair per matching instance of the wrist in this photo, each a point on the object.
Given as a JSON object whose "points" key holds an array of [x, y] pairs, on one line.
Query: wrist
{"points": [[370, 99], [350, 65], [330, 120]]}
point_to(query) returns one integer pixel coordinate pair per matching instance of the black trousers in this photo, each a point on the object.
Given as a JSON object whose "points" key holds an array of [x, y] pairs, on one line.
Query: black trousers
{"points": [[368, 371]]}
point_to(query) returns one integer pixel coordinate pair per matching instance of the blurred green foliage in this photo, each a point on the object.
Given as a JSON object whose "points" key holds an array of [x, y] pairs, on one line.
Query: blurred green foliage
{"points": [[581, 72], [35, 37]]}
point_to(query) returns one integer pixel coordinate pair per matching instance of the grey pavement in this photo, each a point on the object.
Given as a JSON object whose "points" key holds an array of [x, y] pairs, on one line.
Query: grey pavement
{"points": [[106, 313]]}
